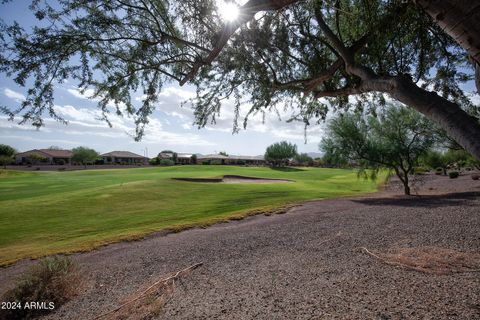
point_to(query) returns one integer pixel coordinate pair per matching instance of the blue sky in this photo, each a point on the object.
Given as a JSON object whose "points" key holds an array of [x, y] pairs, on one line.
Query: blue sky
{"points": [[170, 126]]}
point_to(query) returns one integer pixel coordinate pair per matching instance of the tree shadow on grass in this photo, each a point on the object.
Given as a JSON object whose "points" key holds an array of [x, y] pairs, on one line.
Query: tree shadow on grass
{"points": [[287, 169], [427, 201]]}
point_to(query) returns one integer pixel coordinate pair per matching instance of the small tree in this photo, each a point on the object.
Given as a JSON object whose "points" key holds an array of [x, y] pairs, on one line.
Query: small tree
{"points": [[194, 159], [84, 155], [35, 158], [175, 158], [304, 159], [6, 155], [435, 160], [395, 139], [279, 153], [223, 153]]}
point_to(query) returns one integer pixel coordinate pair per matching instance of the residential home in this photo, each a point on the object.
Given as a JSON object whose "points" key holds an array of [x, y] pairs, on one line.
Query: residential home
{"points": [[182, 158], [44, 156], [231, 160], [123, 157]]}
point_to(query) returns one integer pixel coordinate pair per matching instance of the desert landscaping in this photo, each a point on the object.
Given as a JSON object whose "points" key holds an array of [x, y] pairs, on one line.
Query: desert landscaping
{"points": [[240, 159], [380, 256]]}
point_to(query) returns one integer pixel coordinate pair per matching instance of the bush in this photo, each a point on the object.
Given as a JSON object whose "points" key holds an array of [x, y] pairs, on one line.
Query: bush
{"points": [[420, 170], [475, 176], [154, 161], [54, 280], [438, 171], [205, 162], [61, 162], [61, 169], [453, 174], [167, 162]]}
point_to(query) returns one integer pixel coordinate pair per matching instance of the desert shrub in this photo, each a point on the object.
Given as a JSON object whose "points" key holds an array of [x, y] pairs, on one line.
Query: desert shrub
{"points": [[475, 176], [167, 162], [438, 171], [453, 174], [216, 162], [154, 161], [53, 281], [60, 162], [205, 162], [420, 170]]}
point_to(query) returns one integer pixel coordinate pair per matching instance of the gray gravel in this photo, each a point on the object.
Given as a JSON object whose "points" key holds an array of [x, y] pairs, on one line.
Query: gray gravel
{"points": [[305, 264]]}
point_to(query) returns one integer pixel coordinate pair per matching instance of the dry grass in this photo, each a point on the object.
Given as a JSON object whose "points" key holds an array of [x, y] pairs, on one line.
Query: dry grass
{"points": [[432, 260], [53, 280], [149, 300]]}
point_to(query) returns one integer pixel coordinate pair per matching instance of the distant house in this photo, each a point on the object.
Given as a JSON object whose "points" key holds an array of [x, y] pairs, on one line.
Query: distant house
{"points": [[182, 158], [231, 159], [123, 157], [44, 156]]}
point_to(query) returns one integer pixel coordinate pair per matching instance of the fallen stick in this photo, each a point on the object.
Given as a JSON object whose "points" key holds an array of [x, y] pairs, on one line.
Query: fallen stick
{"points": [[144, 292], [406, 266]]}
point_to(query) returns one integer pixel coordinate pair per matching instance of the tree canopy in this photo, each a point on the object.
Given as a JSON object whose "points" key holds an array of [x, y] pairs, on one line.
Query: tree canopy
{"points": [[395, 139], [279, 153], [306, 56], [84, 155], [6, 154]]}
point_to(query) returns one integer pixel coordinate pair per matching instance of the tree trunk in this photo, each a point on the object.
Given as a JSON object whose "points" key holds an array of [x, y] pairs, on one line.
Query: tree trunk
{"points": [[406, 183], [406, 188], [459, 125], [460, 19]]}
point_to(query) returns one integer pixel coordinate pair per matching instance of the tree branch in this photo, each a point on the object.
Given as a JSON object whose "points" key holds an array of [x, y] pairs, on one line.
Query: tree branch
{"points": [[247, 11]]}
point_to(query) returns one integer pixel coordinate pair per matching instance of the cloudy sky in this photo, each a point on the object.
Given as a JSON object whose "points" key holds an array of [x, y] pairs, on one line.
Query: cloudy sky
{"points": [[170, 126]]}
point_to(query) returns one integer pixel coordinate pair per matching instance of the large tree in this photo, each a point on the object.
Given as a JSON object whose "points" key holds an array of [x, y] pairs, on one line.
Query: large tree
{"points": [[6, 155], [279, 153], [395, 139], [84, 155], [309, 55]]}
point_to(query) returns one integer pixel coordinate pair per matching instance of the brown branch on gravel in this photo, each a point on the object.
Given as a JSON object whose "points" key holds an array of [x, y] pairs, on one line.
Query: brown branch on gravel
{"points": [[411, 267], [155, 284]]}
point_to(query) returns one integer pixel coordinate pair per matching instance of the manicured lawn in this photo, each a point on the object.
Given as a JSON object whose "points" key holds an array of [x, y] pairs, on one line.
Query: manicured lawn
{"points": [[44, 213]]}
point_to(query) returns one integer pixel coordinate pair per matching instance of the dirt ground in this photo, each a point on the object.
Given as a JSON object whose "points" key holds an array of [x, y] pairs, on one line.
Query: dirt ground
{"points": [[310, 263]]}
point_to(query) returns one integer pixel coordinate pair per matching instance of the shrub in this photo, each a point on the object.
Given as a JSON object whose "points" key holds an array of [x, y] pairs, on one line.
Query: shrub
{"points": [[53, 280], [167, 162], [205, 162], [420, 170], [453, 174], [438, 171], [61, 162], [61, 169], [154, 161], [475, 176]]}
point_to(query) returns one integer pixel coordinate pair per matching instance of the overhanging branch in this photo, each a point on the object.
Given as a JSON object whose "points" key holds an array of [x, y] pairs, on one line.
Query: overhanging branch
{"points": [[246, 13]]}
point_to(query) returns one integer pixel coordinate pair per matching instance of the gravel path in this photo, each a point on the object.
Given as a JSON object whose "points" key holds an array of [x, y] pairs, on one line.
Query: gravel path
{"points": [[306, 264]]}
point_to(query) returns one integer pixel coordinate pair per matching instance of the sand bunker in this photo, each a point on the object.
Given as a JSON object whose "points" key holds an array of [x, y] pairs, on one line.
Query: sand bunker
{"points": [[229, 179]]}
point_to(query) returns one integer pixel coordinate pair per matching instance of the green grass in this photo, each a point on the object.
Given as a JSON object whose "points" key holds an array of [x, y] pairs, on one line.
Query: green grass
{"points": [[43, 213]]}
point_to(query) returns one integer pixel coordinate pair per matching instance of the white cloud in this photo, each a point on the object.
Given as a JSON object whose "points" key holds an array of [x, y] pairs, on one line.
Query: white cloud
{"points": [[87, 94], [17, 96], [178, 92]]}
